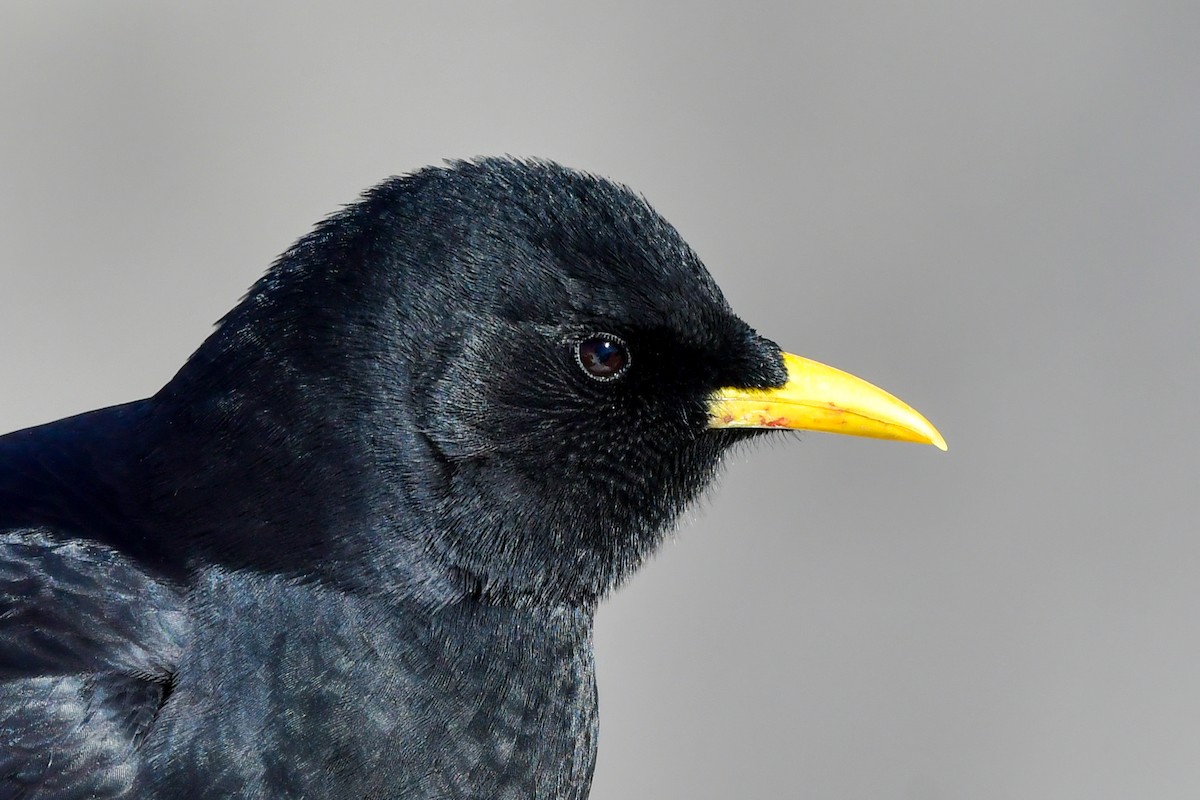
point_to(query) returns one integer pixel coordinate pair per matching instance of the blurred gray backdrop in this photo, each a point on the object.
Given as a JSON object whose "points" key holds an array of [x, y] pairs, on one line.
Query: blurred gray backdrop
{"points": [[991, 209]]}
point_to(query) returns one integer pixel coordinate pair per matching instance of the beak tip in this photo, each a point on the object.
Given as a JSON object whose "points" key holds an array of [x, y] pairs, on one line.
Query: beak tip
{"points": [[932, 435]]}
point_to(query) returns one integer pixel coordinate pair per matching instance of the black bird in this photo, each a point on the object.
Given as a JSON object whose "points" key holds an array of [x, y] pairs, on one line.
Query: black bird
{"points": [[354, 547]]}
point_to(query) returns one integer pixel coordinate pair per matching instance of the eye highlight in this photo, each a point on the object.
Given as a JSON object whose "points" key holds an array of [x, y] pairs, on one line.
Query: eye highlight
{"points": [[602, 356]]}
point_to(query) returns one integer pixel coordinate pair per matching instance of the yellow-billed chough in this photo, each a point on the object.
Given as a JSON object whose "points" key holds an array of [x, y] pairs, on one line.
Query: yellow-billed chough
{"points": [[354, 547]]}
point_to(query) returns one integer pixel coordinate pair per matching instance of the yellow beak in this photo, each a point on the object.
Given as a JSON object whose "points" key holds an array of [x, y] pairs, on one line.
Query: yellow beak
{"points": [[821, 398]]}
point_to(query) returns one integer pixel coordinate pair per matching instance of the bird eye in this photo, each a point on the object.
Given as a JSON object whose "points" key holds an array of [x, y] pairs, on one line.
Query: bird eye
{"points": [[603, 356]]}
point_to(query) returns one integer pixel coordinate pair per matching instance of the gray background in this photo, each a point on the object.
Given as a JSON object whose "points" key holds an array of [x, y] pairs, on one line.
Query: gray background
{"points": [[988, 208]]}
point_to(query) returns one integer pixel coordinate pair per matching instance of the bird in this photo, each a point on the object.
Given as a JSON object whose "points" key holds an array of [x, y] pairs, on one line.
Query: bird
{"points": [[354, 547]]}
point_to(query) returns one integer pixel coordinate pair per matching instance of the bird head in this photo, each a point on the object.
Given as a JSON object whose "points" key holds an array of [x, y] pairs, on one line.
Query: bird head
{"points": [[528, 368]]}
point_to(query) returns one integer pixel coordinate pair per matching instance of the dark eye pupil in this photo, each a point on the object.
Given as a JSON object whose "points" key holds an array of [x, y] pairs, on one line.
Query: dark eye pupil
{"points": [[603, 357]]}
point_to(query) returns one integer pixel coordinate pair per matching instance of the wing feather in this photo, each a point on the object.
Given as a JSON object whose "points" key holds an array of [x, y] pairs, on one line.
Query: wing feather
{"points": [[89, 643]]}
